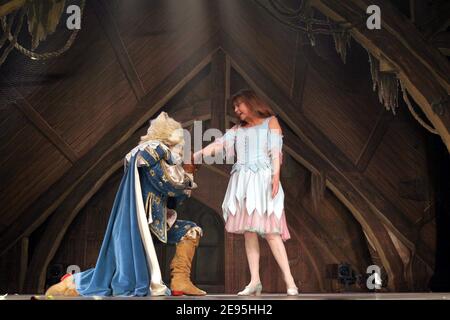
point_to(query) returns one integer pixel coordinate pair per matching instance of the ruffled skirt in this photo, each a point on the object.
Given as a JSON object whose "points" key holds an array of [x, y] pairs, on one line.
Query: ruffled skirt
{"points": [[248, 204]]}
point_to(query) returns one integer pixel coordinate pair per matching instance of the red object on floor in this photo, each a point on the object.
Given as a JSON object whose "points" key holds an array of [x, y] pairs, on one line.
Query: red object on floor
{"points": [[177, 293]]}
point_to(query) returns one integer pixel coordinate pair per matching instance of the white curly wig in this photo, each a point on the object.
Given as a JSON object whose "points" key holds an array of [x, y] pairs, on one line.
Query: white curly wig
{"points": [[165, 129]]}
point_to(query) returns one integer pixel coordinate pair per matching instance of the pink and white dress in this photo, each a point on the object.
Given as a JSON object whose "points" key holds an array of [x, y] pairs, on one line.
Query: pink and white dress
{"points": [[248, 204]]}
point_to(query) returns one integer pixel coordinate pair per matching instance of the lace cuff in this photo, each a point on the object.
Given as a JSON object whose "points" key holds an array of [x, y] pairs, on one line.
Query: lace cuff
{"points": [[275, 144]]}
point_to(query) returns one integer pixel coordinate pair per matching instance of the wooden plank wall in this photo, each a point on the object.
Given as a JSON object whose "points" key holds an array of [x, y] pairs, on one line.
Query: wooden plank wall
{"points": [[82, 95]]}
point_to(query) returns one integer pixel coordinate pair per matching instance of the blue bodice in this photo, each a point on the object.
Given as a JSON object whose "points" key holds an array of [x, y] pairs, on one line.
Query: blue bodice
{"points": [[254, 146]]}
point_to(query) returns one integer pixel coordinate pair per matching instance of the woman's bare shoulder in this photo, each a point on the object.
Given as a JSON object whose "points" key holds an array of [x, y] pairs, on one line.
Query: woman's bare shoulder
{"points": [[274, 124]]}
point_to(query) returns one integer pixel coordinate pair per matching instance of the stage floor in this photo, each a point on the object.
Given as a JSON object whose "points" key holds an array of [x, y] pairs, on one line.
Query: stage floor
{"points": [[303, 296]]}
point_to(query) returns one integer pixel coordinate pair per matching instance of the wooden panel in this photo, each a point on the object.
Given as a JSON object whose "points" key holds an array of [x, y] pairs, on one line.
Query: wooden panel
{"points": [[83, 239], [341, 227], [269, 43], [105, 18], [219, 85], [194, 99], [81, 94], [29, 164], [339, 100], [159, 35], [40, 124], [428, 234], [333, 220], [374, 140], [9, 277], [400, 159]]}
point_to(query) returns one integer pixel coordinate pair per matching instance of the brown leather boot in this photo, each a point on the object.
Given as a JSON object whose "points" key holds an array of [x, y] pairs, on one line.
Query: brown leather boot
{"points": [[180, 268], [64, 288]]}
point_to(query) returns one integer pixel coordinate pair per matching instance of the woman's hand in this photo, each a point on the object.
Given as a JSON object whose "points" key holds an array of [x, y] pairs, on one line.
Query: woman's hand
{"points": [[275, 184], [197, 157]]}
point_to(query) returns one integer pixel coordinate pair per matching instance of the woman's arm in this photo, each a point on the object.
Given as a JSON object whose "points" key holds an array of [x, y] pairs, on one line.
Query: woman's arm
{"points": [[209, 150], [275, 149], [223, 143]]}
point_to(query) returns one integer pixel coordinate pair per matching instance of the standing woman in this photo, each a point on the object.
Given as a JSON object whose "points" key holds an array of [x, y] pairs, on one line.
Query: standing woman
{"points": [[254, 200]]}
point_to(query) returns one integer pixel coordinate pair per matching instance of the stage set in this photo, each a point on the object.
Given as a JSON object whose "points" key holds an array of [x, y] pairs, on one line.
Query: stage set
{"points": [[98, 203]]}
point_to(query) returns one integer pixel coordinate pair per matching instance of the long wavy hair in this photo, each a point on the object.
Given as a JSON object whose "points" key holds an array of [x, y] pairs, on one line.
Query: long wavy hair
{"points": [[253, 102]]}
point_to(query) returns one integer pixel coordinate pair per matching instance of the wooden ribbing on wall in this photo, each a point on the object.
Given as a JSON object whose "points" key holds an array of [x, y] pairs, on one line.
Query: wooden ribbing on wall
{"points": [[108, 23], [220, 78], [43, 127], [375, 138], [299, 73], [23, 268]]}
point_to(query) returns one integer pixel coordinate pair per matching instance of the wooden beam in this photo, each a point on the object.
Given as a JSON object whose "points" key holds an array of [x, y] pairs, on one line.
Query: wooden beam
{"points": [[306, 219], [299, 74], [421, 68], [11, 6], [219, 82], [373, 228], [320, 239], [108, 23], [374, 140], [412, 10], [42, 126], [40, 210], [23, 268], [314, 264]]}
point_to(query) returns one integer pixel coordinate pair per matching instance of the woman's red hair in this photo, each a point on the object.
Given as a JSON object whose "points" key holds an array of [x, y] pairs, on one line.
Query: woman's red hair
{"points": [[253, 102]]}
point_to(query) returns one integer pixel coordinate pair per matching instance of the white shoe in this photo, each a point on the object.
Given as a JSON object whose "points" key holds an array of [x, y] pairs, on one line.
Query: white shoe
{"points": [[251, 290], [292, 291]]}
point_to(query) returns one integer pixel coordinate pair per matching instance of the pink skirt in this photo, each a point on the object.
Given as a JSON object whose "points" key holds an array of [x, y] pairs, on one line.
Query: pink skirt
{"points": [[241, 222]]}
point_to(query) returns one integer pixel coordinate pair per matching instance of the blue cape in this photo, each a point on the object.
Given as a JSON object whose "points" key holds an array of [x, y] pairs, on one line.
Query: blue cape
{"points": [[122, 268]]}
